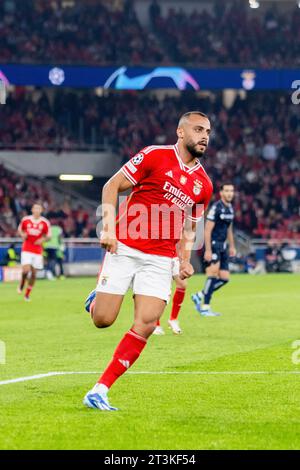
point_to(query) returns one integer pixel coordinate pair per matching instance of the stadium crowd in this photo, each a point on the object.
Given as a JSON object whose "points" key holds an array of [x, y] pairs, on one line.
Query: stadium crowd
{"points": [[17, 194], [255, 144], [109, 32], [230, 35], [89, 32]]}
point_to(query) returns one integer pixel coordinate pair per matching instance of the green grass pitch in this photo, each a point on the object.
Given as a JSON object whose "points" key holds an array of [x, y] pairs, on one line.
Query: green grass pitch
{"points": [[224, 407]]}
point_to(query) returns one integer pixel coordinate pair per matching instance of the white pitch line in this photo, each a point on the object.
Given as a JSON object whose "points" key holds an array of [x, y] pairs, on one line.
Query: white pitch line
{"points": [[193, 372]]}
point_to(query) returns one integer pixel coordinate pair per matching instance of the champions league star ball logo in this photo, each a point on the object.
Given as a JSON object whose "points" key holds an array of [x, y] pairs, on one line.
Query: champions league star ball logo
{"points": [[138, 159], [56, 76]]}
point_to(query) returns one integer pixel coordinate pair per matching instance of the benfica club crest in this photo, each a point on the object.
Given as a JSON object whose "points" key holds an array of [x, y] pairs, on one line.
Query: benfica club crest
{"points": [[197, 187], [104, 280], [183, 179]]}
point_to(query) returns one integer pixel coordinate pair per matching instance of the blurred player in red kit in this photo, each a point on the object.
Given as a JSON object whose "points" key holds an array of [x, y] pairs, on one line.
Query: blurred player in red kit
{"points": [[177, 301], [170, 191], [34, 230]]}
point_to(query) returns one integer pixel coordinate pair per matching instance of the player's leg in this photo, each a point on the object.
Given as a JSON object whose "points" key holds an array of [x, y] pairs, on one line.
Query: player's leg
{"points": [[104, 304], [177, 301], [159, 331], [31, 282], [37, 263], [212, 276], [147, 310], [202, 298], [105, 309], [151, 287], [114, 279], [222, 280], [25, 263], [223, 275], [25, 273]]}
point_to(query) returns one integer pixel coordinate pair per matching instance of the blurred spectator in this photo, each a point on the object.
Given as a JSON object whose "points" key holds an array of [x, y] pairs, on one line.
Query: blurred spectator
{"points": [[85, 31], [11, 257], [268, 189], [232, 35], [278, 257], [99, 32], [17, 195]]}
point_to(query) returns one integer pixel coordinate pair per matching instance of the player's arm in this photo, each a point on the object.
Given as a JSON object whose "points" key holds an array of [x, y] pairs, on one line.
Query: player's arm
{"points": [[42, 239], [230, 238], [21, 232], [115, 185], [185, 249], [209, 226], [208, 229], [45, 236]]}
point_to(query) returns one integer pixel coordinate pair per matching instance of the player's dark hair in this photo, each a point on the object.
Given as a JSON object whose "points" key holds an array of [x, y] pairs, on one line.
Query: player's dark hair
{"points": [[225, 184], [189, 113], [38, 203]]}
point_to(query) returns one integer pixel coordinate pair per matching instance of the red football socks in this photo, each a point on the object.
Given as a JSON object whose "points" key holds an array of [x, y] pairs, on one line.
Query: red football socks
{"points": [[177, 301], [28, 291], [127, 352]]}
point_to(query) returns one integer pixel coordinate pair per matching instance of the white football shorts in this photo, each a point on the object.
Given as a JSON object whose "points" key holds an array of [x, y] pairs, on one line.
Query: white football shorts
{"points": [[146, 274], [35, 260]]}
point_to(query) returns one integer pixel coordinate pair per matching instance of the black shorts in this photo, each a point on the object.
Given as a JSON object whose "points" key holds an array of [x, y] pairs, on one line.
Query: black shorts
{"points": [[219, 254]]}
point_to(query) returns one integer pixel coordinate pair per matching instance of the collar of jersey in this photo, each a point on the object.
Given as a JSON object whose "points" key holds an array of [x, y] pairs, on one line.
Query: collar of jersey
{"points": [[35, 221], [184, 167]]}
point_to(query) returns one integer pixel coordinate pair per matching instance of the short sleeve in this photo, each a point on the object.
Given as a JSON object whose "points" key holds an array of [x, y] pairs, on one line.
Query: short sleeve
{"points": [[47, 228], [22, 225], [138, 166], [212, 213]]}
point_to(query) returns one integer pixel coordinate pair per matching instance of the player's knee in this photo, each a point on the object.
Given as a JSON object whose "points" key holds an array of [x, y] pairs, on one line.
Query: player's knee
{"points": [[145, 328], [101, 322], [212, 270]]}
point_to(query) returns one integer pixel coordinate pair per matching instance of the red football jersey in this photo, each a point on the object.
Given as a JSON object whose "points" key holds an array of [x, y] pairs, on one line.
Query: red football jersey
{"points": [[165, 192], [35, 229]]}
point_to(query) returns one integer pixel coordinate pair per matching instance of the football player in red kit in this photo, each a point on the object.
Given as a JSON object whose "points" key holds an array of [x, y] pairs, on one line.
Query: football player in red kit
{"points": [[170, 191], [177, 301], [34, 230]]}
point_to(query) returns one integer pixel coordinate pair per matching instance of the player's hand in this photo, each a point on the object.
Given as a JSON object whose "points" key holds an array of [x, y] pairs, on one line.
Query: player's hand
{"points": [[39, 242], [208, 255], [185, 270], [232, 252], [109, 242], [24, 236]]}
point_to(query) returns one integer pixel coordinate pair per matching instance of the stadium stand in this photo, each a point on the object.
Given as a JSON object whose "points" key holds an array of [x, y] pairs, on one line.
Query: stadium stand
{"points": [[231, 35], [254, 143], [17, 195], [109, 32], [91, 32]]}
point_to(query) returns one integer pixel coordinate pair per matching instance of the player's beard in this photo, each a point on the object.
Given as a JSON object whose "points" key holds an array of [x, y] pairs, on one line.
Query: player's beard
{"points": [[193, 151]]}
